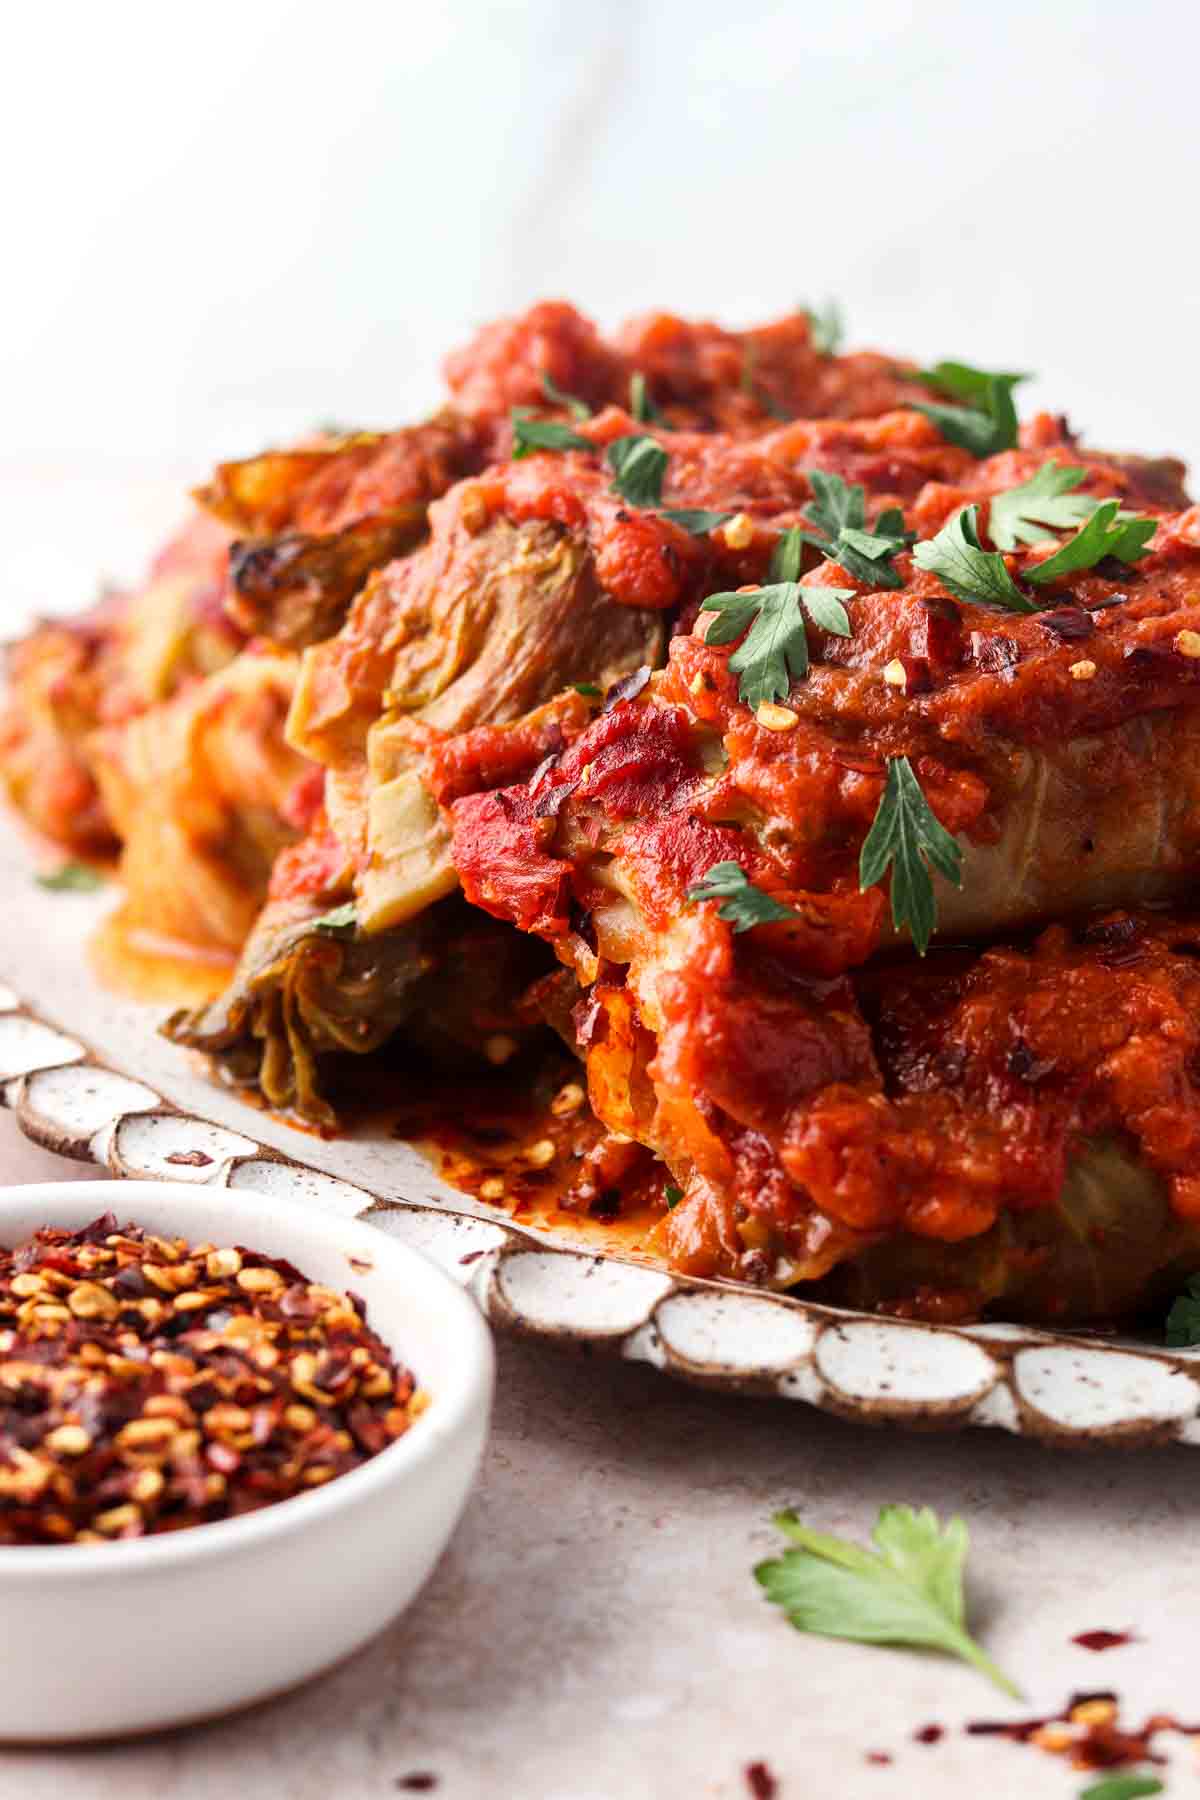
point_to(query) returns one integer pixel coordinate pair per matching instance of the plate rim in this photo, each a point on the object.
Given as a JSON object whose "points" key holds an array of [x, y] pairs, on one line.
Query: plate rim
{"points": [[1062, 1388]]}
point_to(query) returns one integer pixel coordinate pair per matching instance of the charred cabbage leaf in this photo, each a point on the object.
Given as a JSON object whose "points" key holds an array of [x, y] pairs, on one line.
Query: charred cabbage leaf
{"points": [[305, 992], [296, 588]]}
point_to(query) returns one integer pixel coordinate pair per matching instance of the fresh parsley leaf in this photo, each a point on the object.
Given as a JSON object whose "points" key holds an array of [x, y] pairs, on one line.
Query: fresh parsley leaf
{"points": [[578, 409], [775, 652], [672, 1194], [956, 557], [826, 328], [588, 689], [742, 904], [1047, 500], [695, 520], [638, 465], [72, 878], [337, 923], [1107, 533], [1183, 1320], [906, 835], [987, 422], [787, 555], [1123, 1787], [907, 1591], [640, 404], [531, 434], [839, 512]]}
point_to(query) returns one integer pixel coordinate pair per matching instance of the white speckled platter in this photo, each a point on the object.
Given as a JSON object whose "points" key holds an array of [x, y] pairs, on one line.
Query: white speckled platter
{"points": [[88, 1076]]}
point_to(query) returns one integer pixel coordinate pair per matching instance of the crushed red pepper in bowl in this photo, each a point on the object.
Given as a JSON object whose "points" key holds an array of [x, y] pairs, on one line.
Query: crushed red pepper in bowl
{"points": [[147, 1384]]}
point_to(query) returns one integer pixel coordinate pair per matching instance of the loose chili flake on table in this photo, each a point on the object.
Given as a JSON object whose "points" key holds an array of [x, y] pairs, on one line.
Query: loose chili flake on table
{"points": [[147, 1384]]}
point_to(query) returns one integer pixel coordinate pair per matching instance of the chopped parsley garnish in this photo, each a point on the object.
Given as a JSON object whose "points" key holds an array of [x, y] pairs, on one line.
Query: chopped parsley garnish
{"points": [[72, 878], [960, 563], [839, 512], [638, 465], [641, 406], [695, 520], [742, 904], [531, 434], [588, 689], [672, 1194], [341, 920], [906, 835], [1107, 533], [1183, 1320], [578, 409], [826, 327], [1123, 1787], [956, 557], [1047, 501], [775, 652], [987, 420], [907, 1591]]}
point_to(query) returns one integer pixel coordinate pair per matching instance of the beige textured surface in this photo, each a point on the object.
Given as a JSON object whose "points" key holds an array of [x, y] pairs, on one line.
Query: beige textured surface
{"points": [[593, 1631]]}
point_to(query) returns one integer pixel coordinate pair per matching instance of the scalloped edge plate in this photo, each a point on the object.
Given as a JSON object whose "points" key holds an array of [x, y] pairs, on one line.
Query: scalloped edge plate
{"points": [[128, 1100]]}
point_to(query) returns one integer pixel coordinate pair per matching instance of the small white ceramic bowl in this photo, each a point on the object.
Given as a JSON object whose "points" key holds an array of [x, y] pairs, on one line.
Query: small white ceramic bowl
{"points": [[109, 1639]]}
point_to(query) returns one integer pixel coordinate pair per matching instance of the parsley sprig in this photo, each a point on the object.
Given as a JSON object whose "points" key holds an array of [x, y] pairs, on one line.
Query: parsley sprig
{"points": [[1123, 1787], [985, 419], [826, 327], [961, 563], [775, 652], [639, 465], [578, 409], [1047, 501], [641, 405], [71, 878], [908, 1590], [839, 513], [1107, 533], [742, 904], [530, 434], [906, 836]]}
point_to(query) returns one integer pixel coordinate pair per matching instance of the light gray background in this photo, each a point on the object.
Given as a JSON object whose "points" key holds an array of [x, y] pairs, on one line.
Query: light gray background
{"points": [[222, 223]]}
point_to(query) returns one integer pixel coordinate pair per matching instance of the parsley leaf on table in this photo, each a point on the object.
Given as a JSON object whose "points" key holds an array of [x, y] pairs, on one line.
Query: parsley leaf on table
{"points": [[638, 465], [839, 512], [531, 434], [641, 405], [337, 923], [71, 878], [578, 409], [906, 835], [1107, 533], [907, 1591], [696, 520], [1047, 500], [1123, 1787], [956, 557], [775, 652], [1183, 1320], [826, 327], [742, 904], [987, 420]]}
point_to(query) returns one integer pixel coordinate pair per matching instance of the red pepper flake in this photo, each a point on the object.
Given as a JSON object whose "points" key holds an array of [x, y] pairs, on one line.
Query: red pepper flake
{"points": [[189, 1159], [878, 1757], [148, 1384], [760, 1782], [1087, 1733], [929, 1734], [1102, 1640], [421, 1781]]}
